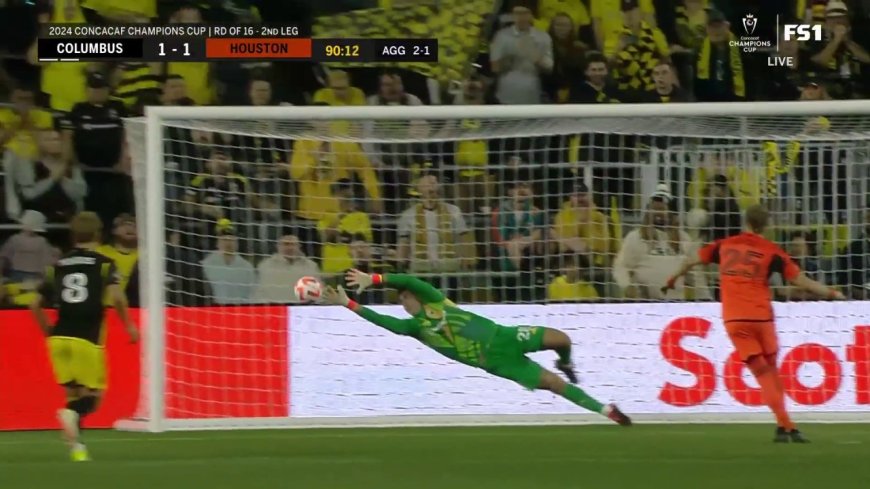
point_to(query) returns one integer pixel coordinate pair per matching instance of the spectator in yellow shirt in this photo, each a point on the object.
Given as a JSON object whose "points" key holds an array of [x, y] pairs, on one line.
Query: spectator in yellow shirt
{"points": [[20, 122], [317, 165], [607, 19], [339, 91], [63, 82], [636, 51], [580, 228], [569, 286], [339, 230], [123, 11], [124, 252]]}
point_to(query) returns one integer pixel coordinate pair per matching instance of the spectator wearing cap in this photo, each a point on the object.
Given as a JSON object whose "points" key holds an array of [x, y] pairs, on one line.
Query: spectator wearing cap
{"points": [[812, 89], [230, 277], [719, 74], [650, 252], [24, 258], [520, 55], [94, 135], [838, 52], [338, 230], [635, 52], [123, 250], [433, 234], [278, 272], [20, 122], [666, 88], [518, 230], [580, 228], [316, 165], [596, 87], [50, 184]]}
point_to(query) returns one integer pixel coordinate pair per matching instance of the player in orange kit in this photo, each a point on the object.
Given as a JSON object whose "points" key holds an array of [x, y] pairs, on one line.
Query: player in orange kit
{"points": [[746, 262]]}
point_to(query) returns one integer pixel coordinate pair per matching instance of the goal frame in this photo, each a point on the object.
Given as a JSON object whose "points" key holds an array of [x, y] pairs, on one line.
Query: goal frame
{"points": [[153, 227]]}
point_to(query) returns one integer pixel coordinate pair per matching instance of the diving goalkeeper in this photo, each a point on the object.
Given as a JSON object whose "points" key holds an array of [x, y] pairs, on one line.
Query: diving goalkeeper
{"points": [[474, 340]]}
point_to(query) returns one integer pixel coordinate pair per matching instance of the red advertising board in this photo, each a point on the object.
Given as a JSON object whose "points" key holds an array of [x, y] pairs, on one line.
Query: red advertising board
{"points": [[219, 363]]}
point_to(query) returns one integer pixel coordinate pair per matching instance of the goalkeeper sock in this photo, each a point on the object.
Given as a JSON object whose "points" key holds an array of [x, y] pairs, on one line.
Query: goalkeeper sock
{"points": [[564, 355], [582, 399]]}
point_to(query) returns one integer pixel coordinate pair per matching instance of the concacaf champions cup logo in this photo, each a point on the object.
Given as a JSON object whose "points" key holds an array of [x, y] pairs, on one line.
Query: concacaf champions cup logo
{"points": [[749, 42]]}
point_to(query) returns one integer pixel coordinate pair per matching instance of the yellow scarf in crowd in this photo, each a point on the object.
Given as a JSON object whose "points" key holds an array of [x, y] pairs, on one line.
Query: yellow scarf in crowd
{"points": [[446, 248], [703, 68]]}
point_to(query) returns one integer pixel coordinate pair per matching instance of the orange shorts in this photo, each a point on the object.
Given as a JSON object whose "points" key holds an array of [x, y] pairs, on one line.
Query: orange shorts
{"points": [[752, 338]]}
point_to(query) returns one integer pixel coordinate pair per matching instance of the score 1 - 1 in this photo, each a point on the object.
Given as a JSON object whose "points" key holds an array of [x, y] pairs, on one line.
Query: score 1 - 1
{"points": [[185, 46]]}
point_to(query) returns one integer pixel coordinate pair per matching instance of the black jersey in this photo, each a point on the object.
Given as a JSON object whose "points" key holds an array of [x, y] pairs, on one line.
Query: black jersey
{"points": [[77, 284]]}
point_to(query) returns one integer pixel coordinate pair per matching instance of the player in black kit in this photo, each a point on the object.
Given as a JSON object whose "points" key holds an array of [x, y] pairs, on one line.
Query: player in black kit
{"points": [[78, 284]]}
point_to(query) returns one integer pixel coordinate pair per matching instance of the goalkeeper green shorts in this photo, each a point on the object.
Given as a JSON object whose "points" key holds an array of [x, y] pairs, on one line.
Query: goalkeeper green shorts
{"points": [[506, 355]]}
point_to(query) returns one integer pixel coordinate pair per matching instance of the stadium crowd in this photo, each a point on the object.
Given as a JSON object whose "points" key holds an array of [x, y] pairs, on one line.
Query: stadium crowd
{"points": [[489, 219]]}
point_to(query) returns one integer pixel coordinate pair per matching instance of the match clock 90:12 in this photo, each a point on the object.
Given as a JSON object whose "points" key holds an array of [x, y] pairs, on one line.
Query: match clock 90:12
{"points": [[375, 50]]}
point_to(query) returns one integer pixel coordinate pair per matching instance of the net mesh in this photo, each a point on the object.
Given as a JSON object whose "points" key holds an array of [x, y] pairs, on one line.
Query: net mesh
{"points": [[507, 211]]}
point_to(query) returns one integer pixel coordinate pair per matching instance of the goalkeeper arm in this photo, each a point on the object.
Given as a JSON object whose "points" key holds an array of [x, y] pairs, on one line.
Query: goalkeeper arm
{"points": [[406, 327], [423, 290]]}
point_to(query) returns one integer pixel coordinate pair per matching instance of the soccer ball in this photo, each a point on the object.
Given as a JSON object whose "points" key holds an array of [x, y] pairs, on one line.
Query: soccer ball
{"points": [[308, 289]]}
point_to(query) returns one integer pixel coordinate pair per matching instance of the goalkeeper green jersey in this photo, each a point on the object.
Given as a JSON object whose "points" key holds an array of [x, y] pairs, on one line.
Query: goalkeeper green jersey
{"points": [[440, 325]]}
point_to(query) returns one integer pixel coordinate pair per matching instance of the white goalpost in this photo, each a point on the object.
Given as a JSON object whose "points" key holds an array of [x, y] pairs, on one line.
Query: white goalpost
{"points": [[233, 201]]}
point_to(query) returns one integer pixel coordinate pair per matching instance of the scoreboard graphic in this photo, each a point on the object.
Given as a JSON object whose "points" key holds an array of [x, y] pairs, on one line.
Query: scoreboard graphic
{"points": [[198, 43]]}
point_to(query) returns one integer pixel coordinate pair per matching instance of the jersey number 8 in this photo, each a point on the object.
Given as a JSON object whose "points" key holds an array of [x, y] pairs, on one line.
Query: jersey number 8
{"points": [[75, 288]]}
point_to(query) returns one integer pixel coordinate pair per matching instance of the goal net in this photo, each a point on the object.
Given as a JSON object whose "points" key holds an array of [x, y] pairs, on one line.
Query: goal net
{"points": [[566, 216]]}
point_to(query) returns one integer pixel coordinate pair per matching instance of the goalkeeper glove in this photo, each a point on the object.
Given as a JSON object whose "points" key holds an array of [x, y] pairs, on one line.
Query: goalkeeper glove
{"points": [[359, 279]]}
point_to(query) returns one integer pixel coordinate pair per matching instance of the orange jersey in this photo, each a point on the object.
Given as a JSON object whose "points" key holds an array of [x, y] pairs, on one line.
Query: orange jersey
{"points": [[746, 262]]}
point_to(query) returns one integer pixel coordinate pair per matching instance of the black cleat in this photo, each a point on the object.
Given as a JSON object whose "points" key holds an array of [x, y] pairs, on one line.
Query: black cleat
{"points": [[797, 437], [617, 416], [568, 370], [781, 435]]}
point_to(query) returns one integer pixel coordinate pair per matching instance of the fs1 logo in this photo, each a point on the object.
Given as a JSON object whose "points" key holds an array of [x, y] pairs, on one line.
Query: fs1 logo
{"points": [[802, 32]]}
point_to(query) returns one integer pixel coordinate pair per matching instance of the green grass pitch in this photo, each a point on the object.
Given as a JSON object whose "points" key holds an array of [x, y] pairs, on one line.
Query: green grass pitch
{"points": [[559, 457]]}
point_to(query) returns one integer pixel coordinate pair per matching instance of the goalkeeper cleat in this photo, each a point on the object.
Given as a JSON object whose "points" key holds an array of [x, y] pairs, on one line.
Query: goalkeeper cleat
{"points": [[568, 370], [79, 453], [797, 437], [617, 416], [781, 435], [69, 422]]}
